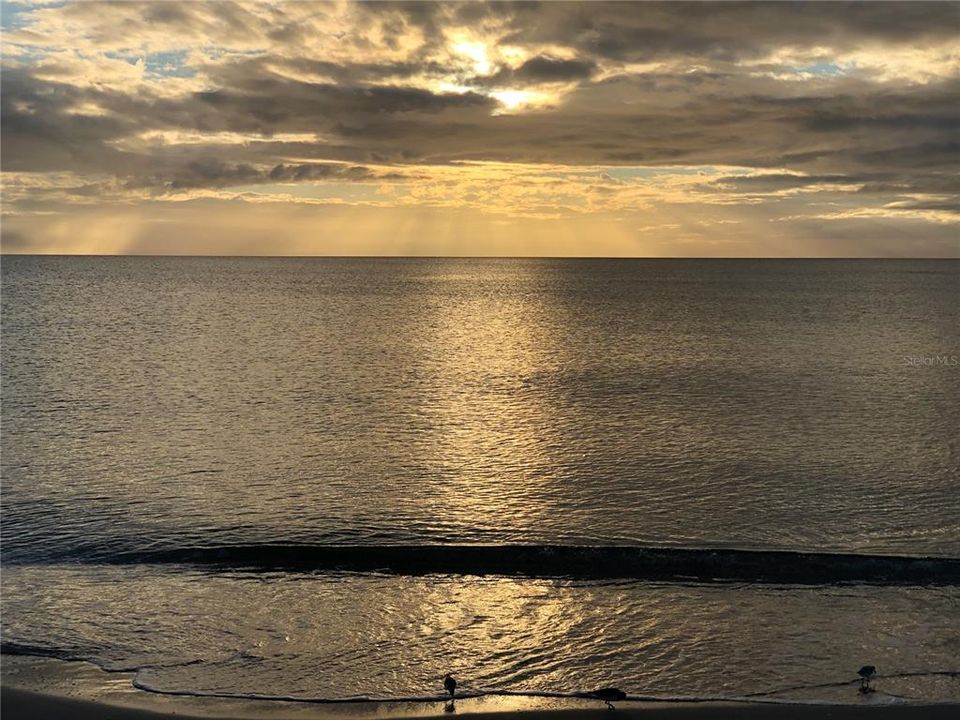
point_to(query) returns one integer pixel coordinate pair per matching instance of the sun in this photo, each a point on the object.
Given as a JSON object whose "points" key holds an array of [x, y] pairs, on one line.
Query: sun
{"points": [[516, 100], [476, 53]]}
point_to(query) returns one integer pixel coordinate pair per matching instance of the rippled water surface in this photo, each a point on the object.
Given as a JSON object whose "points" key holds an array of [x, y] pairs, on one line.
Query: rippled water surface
{"points": [[157, 404], [338, 636]]}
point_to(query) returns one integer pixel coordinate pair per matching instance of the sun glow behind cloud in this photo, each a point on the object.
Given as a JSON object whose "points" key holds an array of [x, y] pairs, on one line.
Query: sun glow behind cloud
{"points": [[514, 100], [481, 129], [475, 52]]}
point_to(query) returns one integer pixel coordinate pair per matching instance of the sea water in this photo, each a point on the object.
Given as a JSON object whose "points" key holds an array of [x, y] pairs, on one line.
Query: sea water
{"points": [[690, 478]]}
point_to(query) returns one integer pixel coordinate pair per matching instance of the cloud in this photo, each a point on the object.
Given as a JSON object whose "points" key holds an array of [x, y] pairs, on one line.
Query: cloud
{"points": [[730, 31], [779, 105], [547, 69]]}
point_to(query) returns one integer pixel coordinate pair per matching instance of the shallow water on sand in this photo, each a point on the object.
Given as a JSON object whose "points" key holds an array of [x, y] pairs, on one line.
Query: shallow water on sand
{"points": [[157, 405], [337, 635]]}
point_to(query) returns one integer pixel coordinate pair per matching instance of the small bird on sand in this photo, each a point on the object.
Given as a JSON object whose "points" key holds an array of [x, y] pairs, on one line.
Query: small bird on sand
{"points": [[866, 673], [450, 685], [608, 694]]}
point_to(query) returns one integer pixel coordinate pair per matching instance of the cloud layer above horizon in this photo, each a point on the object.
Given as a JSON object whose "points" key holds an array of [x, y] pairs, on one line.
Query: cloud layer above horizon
{"points": [[304, 128]]}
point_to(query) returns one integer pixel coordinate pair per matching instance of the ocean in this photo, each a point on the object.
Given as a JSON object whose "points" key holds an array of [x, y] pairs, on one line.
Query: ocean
{"points": [[327, 478]]}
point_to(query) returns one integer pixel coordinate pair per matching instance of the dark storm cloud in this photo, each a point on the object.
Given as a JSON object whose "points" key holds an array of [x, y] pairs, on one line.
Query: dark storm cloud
{"points": [[937, 183], [266, 103], [726, 30], [949, 205], [720, 121], [899, 189], [211, 172], [542, 69], [39, 135], [294, 173], [926, 155], [723, 121]]}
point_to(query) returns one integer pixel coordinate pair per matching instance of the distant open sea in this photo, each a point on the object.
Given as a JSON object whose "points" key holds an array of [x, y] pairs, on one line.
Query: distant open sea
{"points": [[331, 478]]}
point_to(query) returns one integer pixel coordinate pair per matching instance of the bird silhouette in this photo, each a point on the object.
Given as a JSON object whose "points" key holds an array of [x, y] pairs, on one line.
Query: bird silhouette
{"points": [[866, 673], [450, 685], [608, 694]]}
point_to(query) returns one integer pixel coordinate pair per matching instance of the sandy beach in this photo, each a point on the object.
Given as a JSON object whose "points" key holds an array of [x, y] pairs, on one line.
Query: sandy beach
{"points": [[26, 705], [35, 688]]}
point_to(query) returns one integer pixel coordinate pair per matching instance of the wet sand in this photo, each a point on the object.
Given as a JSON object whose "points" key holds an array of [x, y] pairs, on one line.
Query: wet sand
{"points": [[26, 705], [41, 688]]}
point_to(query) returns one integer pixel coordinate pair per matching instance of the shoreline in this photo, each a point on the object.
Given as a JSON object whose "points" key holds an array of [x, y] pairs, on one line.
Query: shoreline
{"points": [[26, 705], [39, 687]]}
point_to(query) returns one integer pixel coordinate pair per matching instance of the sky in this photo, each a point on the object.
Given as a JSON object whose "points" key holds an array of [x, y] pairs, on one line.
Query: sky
{"points": [[521, 129]]}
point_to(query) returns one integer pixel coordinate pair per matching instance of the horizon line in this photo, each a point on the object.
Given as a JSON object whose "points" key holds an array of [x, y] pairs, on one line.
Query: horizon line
{"points": [[488, 257]]}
